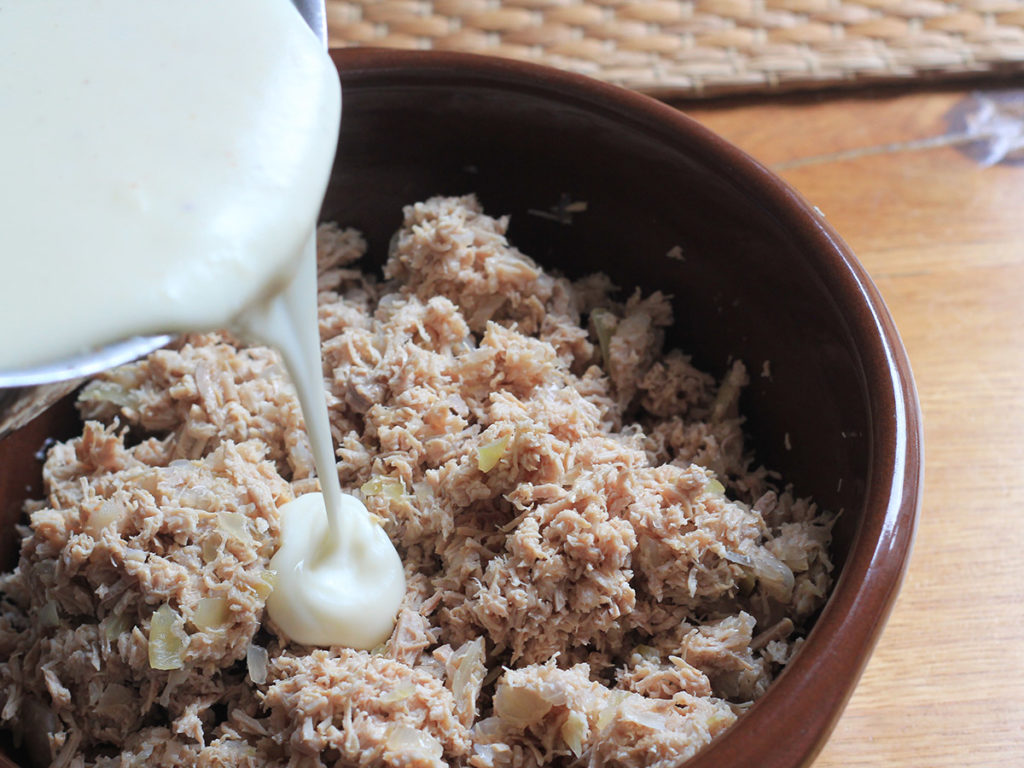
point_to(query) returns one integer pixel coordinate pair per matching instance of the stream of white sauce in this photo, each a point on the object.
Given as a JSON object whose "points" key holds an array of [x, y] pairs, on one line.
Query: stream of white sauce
{"points": [[163, 164]]}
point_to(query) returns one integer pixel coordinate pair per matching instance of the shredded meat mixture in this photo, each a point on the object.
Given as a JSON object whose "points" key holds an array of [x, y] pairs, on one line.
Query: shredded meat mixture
{"points": [[598, 575]]}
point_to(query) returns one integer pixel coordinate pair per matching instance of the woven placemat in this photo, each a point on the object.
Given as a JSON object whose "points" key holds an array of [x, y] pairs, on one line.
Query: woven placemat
{"points": [[707, 47]]}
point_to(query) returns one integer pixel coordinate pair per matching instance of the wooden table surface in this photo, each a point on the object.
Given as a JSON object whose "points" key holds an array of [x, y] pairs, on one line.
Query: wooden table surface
{"points": [[925, 189]]}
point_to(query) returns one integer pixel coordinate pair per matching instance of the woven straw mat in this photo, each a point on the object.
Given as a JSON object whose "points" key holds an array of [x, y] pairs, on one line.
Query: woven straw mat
{"points": [[706, 47]]}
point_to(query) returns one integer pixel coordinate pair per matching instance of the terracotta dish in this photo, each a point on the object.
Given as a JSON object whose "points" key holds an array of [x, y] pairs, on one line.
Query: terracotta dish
{"points": [[755, 272]]}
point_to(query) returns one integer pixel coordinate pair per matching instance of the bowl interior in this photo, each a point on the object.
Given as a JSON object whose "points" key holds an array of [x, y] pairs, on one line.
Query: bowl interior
{"points": [[754, 274], [748, 285]]}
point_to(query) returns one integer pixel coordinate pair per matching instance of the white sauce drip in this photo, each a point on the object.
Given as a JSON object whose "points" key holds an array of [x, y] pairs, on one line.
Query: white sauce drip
{"points": [[337, 584], [164, 162]]}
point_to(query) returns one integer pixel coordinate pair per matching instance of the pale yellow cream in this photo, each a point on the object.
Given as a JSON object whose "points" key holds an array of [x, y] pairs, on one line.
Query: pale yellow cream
{"points": [[339, 579], [163, 166]]}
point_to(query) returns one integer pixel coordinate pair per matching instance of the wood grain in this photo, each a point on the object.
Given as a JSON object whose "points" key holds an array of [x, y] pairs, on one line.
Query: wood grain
{"points": [[943, 238]]}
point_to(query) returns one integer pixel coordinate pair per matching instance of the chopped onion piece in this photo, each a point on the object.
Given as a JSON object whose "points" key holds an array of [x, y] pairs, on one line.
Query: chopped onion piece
{"points": [[605, 323], [719, 720], [210, 549], [406, 740], [400, 692], [166, 643], [380, 485], [736, 557], [488, 456], [470, 658], [485, 752], [110, 392], [197, 496], [648, 652], [575, 730], [116, 626], [490, 729], [235, 524], [773, 574], [48, 616], [266, 583], [615, 700], [726, 404], [211, 613], [713, 487], [243, 751], [470, 669], [256, 662], [519, 706], [109, 511], [654, 721]]}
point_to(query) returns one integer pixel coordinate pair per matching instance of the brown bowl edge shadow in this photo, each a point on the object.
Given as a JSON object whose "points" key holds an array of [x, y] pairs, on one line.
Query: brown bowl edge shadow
{"points": [[818, 682]]}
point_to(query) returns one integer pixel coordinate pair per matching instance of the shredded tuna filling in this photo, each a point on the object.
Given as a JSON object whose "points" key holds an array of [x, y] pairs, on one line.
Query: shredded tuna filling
{"points": [[598, 573]]}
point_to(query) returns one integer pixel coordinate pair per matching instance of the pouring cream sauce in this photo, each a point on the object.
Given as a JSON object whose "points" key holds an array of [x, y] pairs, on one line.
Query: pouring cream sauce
{"points": [[164, 163]]}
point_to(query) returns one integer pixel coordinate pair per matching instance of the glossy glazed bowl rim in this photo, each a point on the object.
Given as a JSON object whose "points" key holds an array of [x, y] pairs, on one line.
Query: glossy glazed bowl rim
{"points": [[789, 725]]}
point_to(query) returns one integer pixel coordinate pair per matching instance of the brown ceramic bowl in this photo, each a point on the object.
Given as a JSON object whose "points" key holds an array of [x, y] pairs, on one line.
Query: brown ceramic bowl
{"points": [[763, 278]]}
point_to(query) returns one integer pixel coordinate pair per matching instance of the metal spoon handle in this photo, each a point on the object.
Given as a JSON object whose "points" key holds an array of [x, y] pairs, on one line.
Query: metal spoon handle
{"points": [[315, 14]]}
